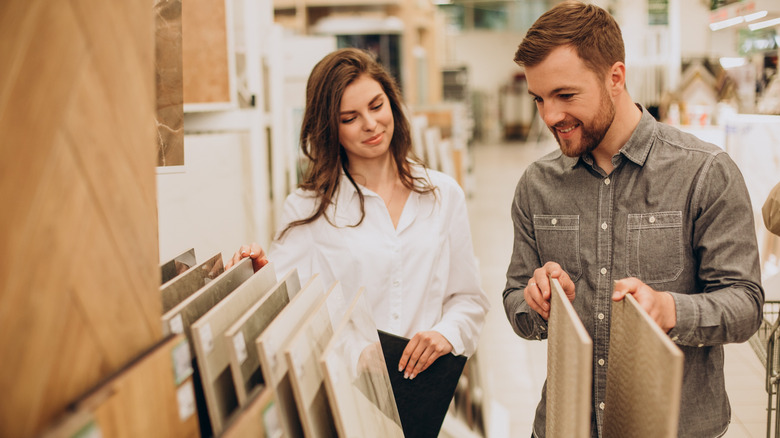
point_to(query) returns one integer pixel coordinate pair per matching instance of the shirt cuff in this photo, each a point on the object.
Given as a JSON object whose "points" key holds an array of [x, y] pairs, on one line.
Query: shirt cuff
{"points": [[686, 314]]}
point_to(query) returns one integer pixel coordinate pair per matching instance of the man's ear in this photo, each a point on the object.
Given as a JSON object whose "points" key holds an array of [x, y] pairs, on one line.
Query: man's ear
{"points": [[617, 77]]}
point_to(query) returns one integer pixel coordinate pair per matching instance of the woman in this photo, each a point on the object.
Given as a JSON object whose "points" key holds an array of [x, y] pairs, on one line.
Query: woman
{"points": [[369, 214]]}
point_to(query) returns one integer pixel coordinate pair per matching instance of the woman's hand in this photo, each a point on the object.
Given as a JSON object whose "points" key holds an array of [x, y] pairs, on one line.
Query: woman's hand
{"points": [[421, 351], [253, 251]]}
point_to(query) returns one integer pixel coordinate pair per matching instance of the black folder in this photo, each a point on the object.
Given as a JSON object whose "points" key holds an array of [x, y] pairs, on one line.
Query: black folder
{"points": [[423, 401]]}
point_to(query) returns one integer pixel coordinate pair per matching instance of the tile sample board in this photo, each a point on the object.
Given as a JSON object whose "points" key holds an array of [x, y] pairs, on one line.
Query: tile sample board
{"points": [[244, 360], [211, 347], [180, 317], [644, 378], [270, 349], [303, 358], [423, 401], [121, 407], [356, 379], [185, 284], [258, 419], [569, 369], [177, 265]]}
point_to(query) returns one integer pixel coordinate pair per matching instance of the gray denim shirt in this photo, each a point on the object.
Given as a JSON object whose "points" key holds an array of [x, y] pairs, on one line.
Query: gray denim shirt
{"points": [[674, 213]]}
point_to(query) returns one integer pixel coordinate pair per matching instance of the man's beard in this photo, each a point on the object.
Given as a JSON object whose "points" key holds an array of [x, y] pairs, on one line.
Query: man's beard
{"points": [[590, 136]]}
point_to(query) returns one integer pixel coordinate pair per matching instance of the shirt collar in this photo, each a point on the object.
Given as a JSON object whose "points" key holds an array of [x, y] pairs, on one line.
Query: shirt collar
{"points": [[636, 149]]}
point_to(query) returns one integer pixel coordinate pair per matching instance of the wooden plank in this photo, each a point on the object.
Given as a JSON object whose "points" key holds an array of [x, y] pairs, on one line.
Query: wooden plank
{"points": [[179, 264], [244, 361], [205, 64], [121, 406], [569, 369], [180, 318], [258, 419], [644, 376], [211, 350], [303, 359], [180, 288], [356, 379], [270, 349]]}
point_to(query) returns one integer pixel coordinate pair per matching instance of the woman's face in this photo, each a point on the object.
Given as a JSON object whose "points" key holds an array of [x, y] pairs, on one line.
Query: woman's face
{"points": [[365, 120]]}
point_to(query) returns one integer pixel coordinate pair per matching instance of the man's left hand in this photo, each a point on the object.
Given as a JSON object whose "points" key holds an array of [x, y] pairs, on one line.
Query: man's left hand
{"points": [[659, 305]]}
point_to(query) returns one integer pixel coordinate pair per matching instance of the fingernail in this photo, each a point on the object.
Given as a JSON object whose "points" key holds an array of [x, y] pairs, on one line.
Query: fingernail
{"points": [[400, 368], [413, 376], [406, 375], [251, 254], [243, 253]]}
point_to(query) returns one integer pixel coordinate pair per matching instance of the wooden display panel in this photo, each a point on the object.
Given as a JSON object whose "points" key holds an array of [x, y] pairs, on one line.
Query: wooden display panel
{"points": [[644, 378], [356, 379], [78, 190], [258, 419], [206, 65], [270, 349], [244, 361], [189, 282], [303, 359], [177, 265], [180, 318], [122, 407], [569, 369], [211, 350]]}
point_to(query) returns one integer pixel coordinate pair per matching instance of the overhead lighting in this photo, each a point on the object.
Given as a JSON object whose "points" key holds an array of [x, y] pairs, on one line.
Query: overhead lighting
{"points": [[732, 62], [726, 23], [763, 24], [442, 2], [755, 16]]}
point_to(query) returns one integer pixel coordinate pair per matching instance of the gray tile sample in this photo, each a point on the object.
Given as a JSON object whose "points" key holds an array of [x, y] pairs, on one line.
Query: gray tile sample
{"points": [[644, 378], [244, 360], [569, 370], [177, 265], [182, 286]]}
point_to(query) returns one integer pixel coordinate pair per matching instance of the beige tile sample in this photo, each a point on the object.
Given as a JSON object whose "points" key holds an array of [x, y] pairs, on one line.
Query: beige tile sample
{"points": [[211, 347], [644, 378], [244, 361], [258, 419], [270, 349], [569, 369], [303, 358], [356, 380]]}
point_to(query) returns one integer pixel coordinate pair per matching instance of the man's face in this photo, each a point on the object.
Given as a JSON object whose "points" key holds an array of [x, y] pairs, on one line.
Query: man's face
{"points": [[572, 100]]}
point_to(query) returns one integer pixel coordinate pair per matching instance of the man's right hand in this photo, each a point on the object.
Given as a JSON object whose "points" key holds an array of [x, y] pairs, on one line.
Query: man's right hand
{"points": [[537, 292], [253, 251]]}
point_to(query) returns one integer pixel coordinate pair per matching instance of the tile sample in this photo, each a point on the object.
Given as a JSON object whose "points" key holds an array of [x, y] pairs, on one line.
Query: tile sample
{"points": [[244, 360], [644, 378], [303, 358], [569, 369], [356, 379], [185, 284], [211, 347], [177, 265], [270, 349], [258, 419]]}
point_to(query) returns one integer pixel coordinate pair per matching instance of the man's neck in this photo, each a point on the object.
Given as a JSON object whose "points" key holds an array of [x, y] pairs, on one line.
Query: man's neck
{"points": [[627, 117]]}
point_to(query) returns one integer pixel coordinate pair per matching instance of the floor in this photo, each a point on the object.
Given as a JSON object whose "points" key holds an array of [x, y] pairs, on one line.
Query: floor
{"points": [[513, 369]]}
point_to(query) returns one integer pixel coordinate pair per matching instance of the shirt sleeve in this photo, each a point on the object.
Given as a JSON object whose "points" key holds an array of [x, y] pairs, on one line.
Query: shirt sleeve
{"points": [[292, 250], [729, 306], [771, 210], [527, 323], [465, 303]]}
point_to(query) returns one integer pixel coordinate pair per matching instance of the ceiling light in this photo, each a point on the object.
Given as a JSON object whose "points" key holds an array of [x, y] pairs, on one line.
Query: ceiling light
{"points": [[726, 23], [755, 16], [732, 62], [763, 24]]}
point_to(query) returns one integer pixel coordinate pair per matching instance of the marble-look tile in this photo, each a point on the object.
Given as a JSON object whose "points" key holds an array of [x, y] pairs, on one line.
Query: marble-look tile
{"points": [[168, 74]]}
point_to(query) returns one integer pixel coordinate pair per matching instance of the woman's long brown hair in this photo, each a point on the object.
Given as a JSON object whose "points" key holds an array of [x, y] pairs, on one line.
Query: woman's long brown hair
{"points": [[320, 129]]}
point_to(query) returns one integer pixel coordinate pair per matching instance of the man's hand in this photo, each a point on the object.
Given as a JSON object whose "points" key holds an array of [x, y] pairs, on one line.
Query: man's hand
{"points": [[659, 305], [421, 351], [253, 251], [537, 292]]}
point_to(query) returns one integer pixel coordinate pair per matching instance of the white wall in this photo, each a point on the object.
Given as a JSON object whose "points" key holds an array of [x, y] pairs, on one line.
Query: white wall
{"points": [[207, 204], [488, 55]]}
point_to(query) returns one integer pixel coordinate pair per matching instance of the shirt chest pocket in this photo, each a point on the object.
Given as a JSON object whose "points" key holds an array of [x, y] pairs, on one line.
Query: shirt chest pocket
{"points": [[558, 240], [654, 246]]}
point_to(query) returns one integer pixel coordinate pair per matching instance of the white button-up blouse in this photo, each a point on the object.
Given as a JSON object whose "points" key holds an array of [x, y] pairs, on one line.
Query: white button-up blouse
{"points": [[419, 276]]}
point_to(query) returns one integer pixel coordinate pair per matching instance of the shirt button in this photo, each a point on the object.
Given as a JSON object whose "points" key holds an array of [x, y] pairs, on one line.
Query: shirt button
{"points": [[601, 316], [652, 219], [604, 226], [601, 362], [675, 338], [606, 181], [601, 406], [395, 316], [396, 283], [554, 221], [701, 345], [603, 271]]}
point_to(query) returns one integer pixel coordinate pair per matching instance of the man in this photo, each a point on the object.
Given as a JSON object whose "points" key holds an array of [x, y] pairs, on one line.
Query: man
{"points": [[628, 199]]}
